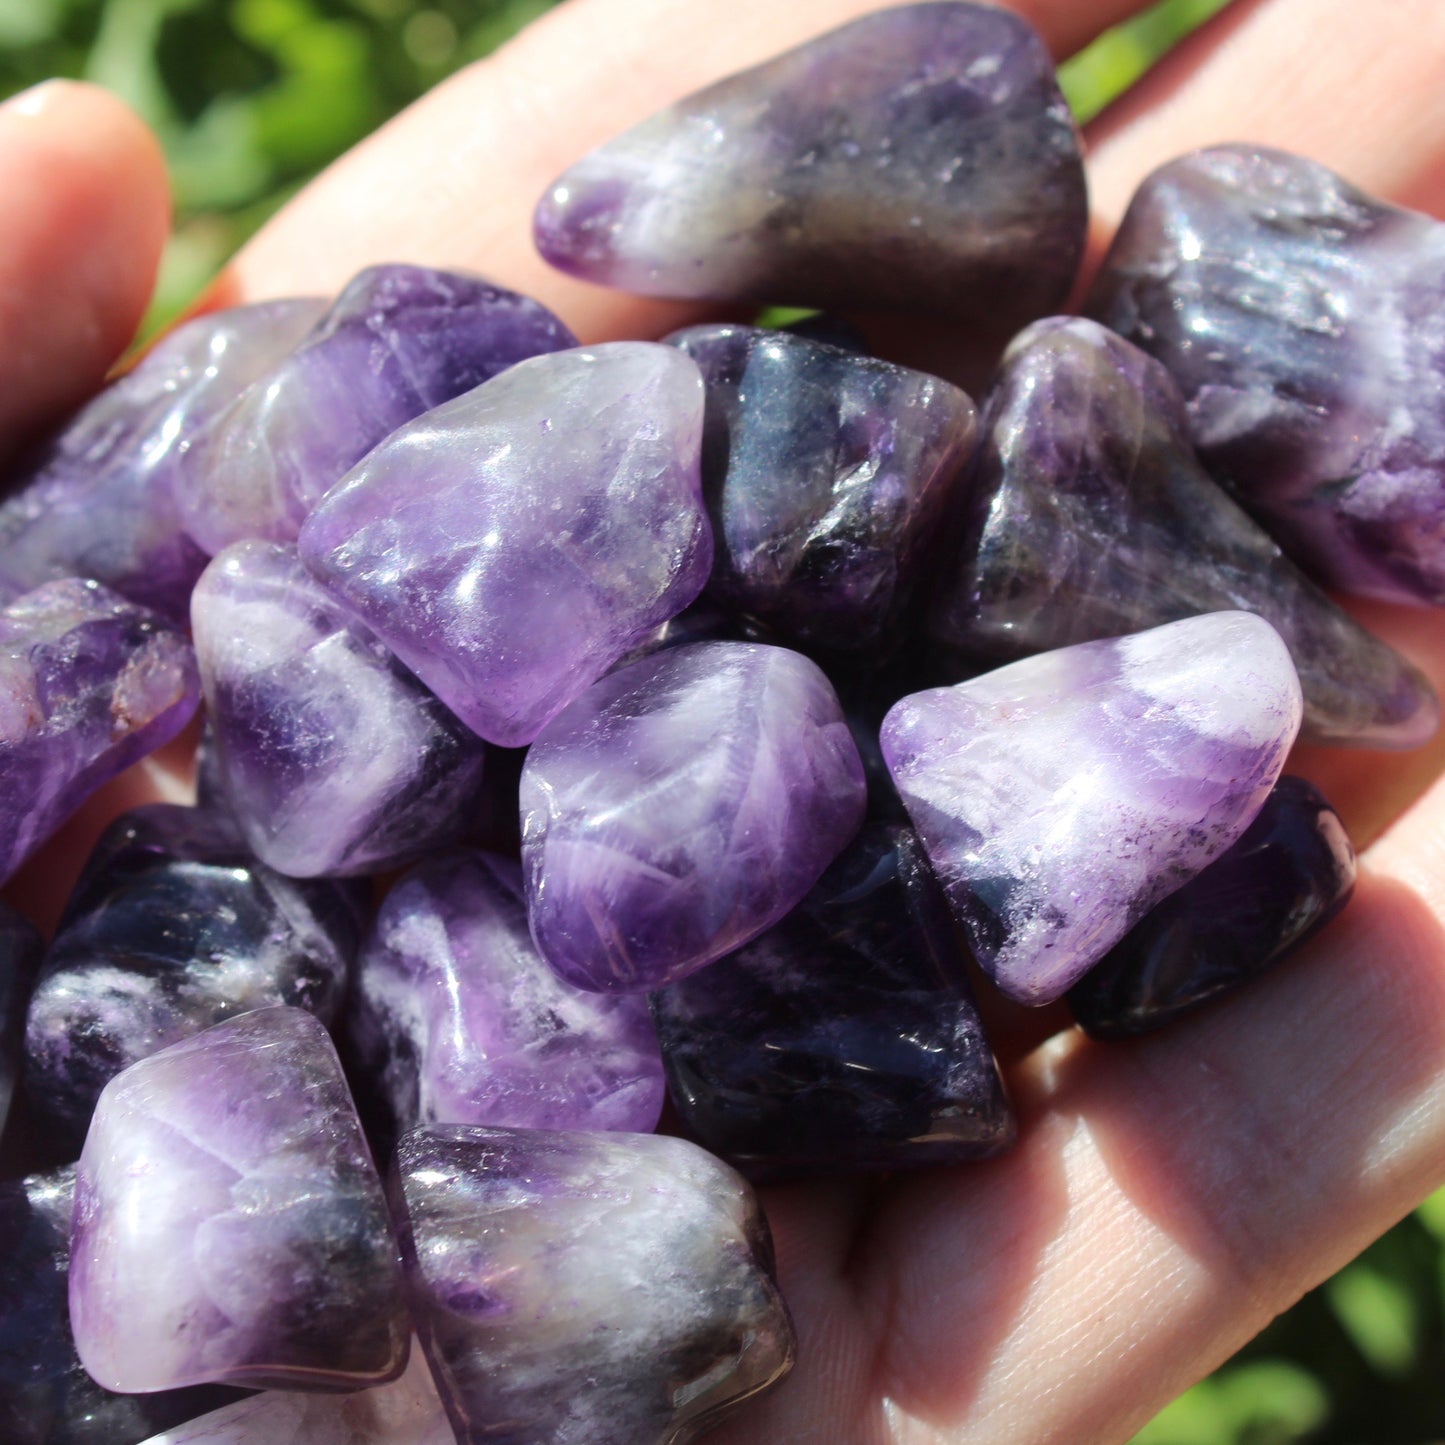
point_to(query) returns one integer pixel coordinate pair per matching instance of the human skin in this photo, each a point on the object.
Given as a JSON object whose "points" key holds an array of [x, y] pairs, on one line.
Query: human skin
{"points": [[1168, 1196]]}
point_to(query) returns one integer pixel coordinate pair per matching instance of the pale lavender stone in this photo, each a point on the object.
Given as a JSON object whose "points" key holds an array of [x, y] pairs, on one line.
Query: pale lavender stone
{"points": [[254, 1246], [99, 501], [398, 341], [458, 1020], [680, 807], [586, 1289], [1061, 797], [921, 158], [515, 543], [89, 684], [331, 756]]}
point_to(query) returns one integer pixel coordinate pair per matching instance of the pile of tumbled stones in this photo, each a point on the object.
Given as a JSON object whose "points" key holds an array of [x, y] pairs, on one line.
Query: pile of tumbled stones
{"points": [[826, 682]]}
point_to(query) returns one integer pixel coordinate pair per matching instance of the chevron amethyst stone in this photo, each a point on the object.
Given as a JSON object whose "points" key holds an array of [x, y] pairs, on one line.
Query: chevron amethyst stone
{"points": [[329, 753], [173, 927], [681, 806], [845, 1037], [20, 950], [254, 1247], [1061, 797], [827, 475], [1291, 871], [398, 341], [1088, 515], [608, 1288], [920, 158], [1302, 319], [89, 684]]}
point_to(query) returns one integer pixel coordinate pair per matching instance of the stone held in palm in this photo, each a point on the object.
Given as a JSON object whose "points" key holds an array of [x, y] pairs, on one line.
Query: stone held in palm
{"points": [[1061, 797], [1087, 515], [20, 951]]}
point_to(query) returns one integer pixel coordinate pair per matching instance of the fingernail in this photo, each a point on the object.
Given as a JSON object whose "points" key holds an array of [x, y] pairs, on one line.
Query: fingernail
{"points": [[38, 99]]}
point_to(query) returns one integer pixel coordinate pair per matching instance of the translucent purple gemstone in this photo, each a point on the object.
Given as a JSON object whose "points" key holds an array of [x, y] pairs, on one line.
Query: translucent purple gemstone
{"points": [[512, 545], [20, 950], [680, 807]]}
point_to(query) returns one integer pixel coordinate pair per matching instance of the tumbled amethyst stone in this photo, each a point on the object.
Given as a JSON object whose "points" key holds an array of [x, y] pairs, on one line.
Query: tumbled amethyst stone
{"points": [[398, 341], [681, 806], [1088, 515], [1291, 871], [330, 754], [99, 501], [1301, 318], [173, 927], [460, 1020], [20, 950], [827, 476], [920, 158], [613, 1289], [254, 1247], [845, 1037], [1061, 797], [89, 684], [512, 545]]}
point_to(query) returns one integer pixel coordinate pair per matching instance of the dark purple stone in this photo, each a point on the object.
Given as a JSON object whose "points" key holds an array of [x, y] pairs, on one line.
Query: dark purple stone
{"points": [[20, 950]]}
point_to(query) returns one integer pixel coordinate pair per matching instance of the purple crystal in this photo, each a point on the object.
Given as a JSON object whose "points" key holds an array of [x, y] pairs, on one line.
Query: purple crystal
{"points": [[461, 1021], [333, 758], [1301, 318], [20, 950], [613, 1289], [680, 807], [254, 1247], [920, 158], [1088, 515], [844, 1037], [827, 475], [89, 684], [512, 545], [1291, 871], [398, 341], [1061, 797], [174, 927], [100, 501]]}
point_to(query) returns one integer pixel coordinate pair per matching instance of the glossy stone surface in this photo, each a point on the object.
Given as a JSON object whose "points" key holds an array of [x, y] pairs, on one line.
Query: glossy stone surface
{"points": [[513, 544], [612, 1289], [827, 476], [1061, 797], [462, 1022], [1303, 321], [20, 950], [398, 341], [1088, 515], [99, 500], [331, 755], [680, 807], [173, 927], [46, 1398], [1291, 871], [845, 1037], [255, 1248], [89, 684], [920, 158]]}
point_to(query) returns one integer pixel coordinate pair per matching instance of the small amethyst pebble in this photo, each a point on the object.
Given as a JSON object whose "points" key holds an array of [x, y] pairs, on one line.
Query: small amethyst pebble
{"points": [[330, 754], [920, 158], [254, 1246], [1300, 318], [1291, 871], [20, 950], [173, 927], [460, 1021], [398, 341], [827, 475], [1061, 797], [512, 545], [99, 501], [681, 806], [603, 1289], [89, 684], [845, 1037]]}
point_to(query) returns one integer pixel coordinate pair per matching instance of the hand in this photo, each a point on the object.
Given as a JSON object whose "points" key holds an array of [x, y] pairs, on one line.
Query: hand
{"points": [[1167, 1197]]}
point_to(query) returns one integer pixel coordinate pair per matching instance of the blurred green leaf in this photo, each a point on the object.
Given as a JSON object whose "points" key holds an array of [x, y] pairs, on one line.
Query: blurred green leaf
{"points": [[1378, 1313]]}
